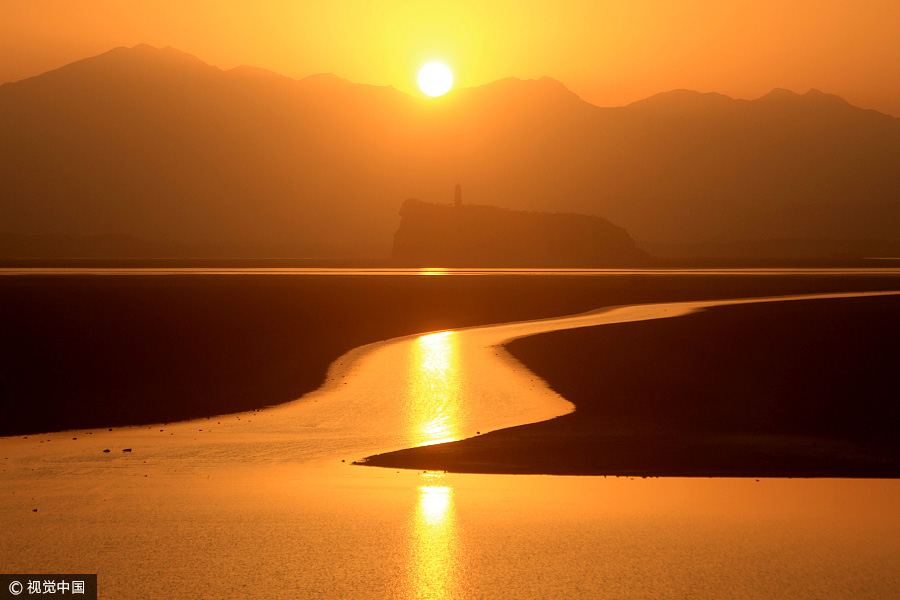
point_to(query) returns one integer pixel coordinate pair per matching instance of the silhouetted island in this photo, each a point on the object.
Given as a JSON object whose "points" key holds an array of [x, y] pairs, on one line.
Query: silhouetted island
{"points": [[487, 236]]}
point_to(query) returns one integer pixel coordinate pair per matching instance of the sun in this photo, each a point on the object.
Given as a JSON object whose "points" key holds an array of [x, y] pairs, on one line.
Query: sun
{"points": [[435, 79]]}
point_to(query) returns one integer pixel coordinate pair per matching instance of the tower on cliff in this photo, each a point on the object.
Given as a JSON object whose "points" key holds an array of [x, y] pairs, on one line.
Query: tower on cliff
{"points": [[457, 196]]}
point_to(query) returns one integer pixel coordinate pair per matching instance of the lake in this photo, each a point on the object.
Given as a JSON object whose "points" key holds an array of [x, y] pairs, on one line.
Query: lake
{"points": [[266, 504]]}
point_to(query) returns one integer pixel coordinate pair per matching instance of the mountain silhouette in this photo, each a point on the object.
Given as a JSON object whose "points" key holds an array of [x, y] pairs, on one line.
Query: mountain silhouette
{"points": [[156, 144]]}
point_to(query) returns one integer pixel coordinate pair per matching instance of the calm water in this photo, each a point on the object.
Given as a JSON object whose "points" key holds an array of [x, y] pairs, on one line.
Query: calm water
{"points": [[260, 504], [433, 271]]}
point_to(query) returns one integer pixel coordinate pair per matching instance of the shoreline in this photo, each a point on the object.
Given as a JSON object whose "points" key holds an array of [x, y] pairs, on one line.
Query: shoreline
{"points": [[635, 422]]}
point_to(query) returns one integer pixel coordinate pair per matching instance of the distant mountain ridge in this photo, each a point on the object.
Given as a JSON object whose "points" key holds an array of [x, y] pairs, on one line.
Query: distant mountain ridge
{"points": [[156, 144]]}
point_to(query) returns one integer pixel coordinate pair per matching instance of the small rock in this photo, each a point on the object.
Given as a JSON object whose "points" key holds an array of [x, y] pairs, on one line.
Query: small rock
{"points": [[126, 449], [107, 450]]}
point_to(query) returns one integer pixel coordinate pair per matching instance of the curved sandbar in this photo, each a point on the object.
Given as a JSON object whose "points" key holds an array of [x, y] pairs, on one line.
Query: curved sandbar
{"points": [[711, 414]]}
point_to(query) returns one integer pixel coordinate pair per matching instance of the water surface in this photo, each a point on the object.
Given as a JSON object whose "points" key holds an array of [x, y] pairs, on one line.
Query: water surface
{"points": [[267, 505], [406, 272]]}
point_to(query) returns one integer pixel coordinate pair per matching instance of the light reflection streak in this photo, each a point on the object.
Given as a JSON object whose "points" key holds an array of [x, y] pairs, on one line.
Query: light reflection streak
{"points": [[434, 416], [434, 553], [434, 391]]}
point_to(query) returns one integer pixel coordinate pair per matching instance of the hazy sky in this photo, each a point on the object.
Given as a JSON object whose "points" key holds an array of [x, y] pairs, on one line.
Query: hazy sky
{"points": [[609, 52]]}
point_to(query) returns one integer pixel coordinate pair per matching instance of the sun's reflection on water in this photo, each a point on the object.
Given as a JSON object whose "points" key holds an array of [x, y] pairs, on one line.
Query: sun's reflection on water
{"points": [[434, 390], [432, 271], [434, 553], [433, 413], [434, 502]]}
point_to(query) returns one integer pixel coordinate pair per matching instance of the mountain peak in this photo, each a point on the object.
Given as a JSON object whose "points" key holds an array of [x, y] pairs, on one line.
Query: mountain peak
{"points": [[324, 79], [132, 62], [681, 100], [813, 97], [152, 53], [549, 81], [779, 94], [513, 89]]}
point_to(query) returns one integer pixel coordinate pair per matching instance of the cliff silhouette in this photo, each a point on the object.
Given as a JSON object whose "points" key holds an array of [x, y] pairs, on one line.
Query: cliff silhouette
{"points": [[158, 145], [473, 235]]}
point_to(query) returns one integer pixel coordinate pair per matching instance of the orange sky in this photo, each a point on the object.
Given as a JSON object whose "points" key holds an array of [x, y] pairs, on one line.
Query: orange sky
{"points": [[609, 52]]}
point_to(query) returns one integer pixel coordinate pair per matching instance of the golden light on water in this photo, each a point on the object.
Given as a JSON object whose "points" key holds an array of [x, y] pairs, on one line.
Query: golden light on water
{"points": [[434, 503], [433, 551], [434, 413], [434, 376]]}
